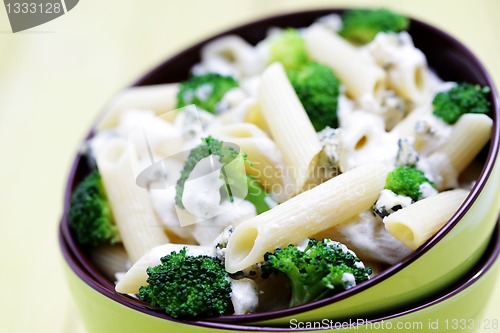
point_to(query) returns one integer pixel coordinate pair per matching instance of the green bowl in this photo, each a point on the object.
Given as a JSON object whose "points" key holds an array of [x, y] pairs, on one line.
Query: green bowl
{"points": [[440, 262], [457, 308]]}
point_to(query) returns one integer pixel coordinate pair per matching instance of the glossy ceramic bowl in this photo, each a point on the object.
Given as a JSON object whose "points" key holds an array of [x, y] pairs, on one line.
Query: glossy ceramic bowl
{"points": [[440, 262], [458, 308]]}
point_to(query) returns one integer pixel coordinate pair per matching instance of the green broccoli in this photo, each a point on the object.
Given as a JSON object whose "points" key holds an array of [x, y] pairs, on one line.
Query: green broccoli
{"points": [[462, 98], [205, 91], [407, 181], [318, 90], [188, 287], [258, 196], [322, 268], [288, 48], [90, 215], [211, 146], [362, 25]]}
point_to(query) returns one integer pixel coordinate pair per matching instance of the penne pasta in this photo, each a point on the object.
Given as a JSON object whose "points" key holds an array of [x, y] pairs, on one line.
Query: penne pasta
{"points": [[159, 98], [242, 172], [360, 76], [110, 259], [136, 276], [406, 127], [331, 203], [406, 66], [291, 126], [366, 235], [131, 205], [235, 51], [265, 158], [416, 223], [364, 140], [408, 77], [467, 138]]}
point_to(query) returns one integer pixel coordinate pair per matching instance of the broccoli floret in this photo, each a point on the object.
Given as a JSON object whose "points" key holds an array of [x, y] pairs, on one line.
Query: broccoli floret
{"points": [[407, 181], [318, 90], [288, 48], [462, 98], [322, 268], [188, 287], [205, 91], [90, 215], [362, 25], [211, 146]]}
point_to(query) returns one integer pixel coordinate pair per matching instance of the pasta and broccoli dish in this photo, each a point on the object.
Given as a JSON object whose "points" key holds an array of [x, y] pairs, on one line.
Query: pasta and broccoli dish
{"points": [[279, 173]]}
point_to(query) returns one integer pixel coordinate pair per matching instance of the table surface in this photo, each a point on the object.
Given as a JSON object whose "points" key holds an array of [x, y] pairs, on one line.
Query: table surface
{"points": [[55, 78]]}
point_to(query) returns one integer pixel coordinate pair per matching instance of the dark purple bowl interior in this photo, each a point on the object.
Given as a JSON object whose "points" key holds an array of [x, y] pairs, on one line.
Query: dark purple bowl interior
{"points": [[450, 59]]}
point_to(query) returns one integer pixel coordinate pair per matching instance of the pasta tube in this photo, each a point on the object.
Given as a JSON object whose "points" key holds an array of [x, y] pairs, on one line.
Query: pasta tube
{"points": [[416, 223], [469, 135], [132, 209], [136, 276], [360, 77], [110, 259], [333, 202], [159, 98], [266, 163], [291, 128]]}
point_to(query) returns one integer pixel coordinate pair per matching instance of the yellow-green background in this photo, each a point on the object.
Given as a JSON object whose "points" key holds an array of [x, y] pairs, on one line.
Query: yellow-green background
{"points": [[55, 78]]}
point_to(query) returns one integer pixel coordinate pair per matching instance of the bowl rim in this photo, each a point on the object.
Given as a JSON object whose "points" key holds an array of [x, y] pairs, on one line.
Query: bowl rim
{"points": [[491, 159], [480, 269]]}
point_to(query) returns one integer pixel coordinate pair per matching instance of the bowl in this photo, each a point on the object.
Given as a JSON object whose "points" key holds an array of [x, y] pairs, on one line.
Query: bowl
{"points": [[458, 307], [441, 261]]}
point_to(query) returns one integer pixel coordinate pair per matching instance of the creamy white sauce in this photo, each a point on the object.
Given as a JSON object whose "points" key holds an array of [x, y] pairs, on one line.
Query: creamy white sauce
{"points": [[203, 92], [438, 169], [388, 202], [230, 100], [163, 201], [331, 140], [344, 109], [366, 141], [427, 190], [366, 235], [349, 280], [359, 264], [244, 296], [201, 196], [191, 122], [407, 154], [431, 133], [220, 242], [303, 244], [230, 214]]}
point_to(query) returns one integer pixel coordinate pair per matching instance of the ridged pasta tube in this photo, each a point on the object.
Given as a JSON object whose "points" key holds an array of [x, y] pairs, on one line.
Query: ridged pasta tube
{"points": [[333, 202]]}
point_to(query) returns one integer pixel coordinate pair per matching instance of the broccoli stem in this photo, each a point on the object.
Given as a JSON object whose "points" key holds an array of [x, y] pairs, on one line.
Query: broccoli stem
{"points": [[302, 294], [257, 195]]}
